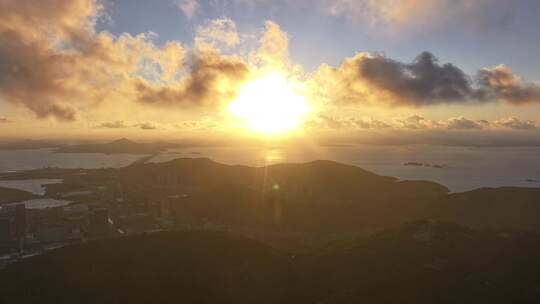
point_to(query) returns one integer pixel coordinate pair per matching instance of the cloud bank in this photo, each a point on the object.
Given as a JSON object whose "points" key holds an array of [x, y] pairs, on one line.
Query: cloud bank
{"points": [[55, 64], [374, 79]]}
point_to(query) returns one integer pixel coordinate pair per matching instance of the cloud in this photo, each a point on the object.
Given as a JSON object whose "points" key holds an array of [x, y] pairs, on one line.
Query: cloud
{"points": [[502, 84], [418, 122], [118, 124], [516, 123], [52, 61], [370, 123], [421, 14], [374, 79], [147, 126], [462, 123], [216, 31], [189, 7], [322, 121], [415, 122], [212, 79], [274, 47], [32, 74]]}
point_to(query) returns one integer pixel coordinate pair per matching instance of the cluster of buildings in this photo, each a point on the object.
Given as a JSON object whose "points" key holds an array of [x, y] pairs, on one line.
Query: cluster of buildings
{"points": [[24, 230]]}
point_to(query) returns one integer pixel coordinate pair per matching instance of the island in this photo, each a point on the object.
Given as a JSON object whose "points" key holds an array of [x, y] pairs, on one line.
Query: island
{"points": [[120, 146], [428, 165]]}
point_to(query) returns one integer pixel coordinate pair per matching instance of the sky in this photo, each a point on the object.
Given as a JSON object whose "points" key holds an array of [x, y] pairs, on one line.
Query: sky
{"points": [[387, 71]]}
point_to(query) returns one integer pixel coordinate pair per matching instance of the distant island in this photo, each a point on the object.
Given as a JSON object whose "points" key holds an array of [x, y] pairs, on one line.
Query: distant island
{"points": [[120, 146], [417, 164]]}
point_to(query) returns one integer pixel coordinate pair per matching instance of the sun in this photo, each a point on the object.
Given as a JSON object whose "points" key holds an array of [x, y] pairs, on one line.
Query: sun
{"points": [[270, 105]]}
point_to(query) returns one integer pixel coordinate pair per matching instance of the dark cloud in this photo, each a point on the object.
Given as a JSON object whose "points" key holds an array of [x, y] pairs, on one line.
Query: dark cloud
{"points": [[146, 126], [118, 124], [377, 79], [212, 79], [421, 82], [32, 76]]}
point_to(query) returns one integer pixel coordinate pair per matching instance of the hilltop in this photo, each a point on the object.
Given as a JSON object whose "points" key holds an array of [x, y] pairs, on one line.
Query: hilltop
{"points": [[305, 199]]}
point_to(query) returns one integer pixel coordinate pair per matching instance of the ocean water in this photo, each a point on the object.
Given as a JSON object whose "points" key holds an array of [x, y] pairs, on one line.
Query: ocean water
{"points": [[465, 168]]}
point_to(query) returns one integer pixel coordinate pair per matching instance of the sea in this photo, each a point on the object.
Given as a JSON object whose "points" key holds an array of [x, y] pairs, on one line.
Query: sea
{"points": [[458, 168]]}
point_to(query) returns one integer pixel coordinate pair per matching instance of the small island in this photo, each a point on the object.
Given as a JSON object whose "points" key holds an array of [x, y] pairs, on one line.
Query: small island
{"points": [[428, 165]]}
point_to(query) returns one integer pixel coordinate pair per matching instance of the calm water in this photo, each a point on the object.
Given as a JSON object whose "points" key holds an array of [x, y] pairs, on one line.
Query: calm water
{"points": [[35, 186], [42, 203], [467, 167], [11, 160]]}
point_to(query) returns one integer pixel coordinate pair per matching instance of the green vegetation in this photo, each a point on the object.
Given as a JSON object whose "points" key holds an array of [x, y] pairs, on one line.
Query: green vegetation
{"points": [[8, 195]]}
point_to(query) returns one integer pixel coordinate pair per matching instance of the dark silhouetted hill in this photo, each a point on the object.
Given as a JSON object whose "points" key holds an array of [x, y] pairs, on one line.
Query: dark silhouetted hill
{"points": [[189, 267], [313, 198], [494, 208], [319, 196], [420, 262]]}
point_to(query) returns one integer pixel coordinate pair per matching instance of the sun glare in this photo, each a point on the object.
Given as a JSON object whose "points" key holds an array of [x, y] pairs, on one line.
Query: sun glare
{"points": [[270, 105]]}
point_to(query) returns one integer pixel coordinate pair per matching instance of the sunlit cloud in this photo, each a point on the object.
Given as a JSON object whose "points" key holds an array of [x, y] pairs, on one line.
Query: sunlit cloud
{"points": [[502, 84], [218, 31], [516, 123], [462, 123], [188, 7], [57, 64], [118, 124], [147, 126]]}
